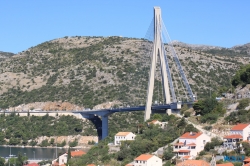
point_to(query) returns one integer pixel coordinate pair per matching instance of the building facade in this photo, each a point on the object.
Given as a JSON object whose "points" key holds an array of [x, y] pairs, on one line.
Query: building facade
{"points": [[190, 144], [64, 157], [123, 136], [146, 160], [240, 132]]}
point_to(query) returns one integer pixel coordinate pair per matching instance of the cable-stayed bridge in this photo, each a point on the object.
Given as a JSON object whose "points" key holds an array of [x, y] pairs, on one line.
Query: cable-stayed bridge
{"points": [[162, 65]]}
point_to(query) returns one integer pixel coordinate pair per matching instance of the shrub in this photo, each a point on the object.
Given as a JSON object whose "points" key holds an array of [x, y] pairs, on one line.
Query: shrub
{"points": [[44, 143], [74, 143], [62, 144], [243, 104], [187, 114], [211, 118], [207, 127]]}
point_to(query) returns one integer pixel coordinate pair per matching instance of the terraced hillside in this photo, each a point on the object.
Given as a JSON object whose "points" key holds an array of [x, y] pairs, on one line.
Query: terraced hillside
{"points": [[91, 70]]}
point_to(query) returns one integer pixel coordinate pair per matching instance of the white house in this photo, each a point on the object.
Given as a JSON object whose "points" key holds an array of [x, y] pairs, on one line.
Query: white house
{"points": [[64, 157], [123, 136], [190, 144], [146, 160], [240, 132], [60, 160], [157, 122]]}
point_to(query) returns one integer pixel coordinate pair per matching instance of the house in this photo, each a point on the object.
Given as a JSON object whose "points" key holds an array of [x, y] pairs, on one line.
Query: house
{"points": [[246, 162], [123, 136], [157, 122], [146, 160], [61, 160], [190, 144], [193, 162], [240, 132]]}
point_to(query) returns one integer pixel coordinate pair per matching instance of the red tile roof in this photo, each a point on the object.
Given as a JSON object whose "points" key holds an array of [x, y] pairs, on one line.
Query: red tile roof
{"points": [[144, 157], [193, 162], [233, 136], [225, 164], [240, 126], [91, 165], [122, 133], [190, 135], [153, 121], [247, 160], [32, 164], [191, 144], [77, 153]]}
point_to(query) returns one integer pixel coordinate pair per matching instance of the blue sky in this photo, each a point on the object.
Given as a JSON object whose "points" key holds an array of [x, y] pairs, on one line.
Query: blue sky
{"points": [[26, 23]]}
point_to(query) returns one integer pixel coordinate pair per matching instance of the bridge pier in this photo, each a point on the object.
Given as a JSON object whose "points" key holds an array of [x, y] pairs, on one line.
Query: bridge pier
{"points": [[100, 120], [104, 126]]}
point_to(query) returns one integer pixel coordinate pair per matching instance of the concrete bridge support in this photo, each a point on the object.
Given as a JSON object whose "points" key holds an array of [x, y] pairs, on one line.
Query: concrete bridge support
{"points": [[105, 127], [158, 51], [100, 120]]}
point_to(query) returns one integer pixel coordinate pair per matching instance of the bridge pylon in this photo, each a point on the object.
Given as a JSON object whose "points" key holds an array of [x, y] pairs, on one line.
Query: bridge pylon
{"points": [[158, 51]]}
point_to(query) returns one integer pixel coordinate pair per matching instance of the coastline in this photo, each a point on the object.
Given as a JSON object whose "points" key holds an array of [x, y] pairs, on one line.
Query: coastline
{"points": [[51, 147]]}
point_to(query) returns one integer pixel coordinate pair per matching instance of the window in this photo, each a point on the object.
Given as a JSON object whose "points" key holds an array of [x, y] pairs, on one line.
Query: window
{"points": [[192, 147], [204, 141]]}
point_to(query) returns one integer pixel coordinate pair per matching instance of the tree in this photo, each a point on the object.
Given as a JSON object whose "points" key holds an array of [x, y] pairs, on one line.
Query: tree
{"points": [[168, 154], [74, 143], [243, 103], [52, 141], [190, 128], [198, 106], [69, 156], [208, 105], [157, 117], [182, 123], [184, 108], [20, 160], [245, 76], [2, 161]]}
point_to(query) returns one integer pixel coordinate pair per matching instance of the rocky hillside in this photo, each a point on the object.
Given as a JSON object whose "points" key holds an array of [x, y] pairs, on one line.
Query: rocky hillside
{"points": [[4, 55], [87, 71]]}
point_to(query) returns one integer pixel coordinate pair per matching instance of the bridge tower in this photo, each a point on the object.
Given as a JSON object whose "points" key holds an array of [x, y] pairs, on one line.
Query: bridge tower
{"points": [[158, 51]]}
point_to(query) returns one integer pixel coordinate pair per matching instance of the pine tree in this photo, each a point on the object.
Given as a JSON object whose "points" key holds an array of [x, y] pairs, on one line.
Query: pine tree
{"points": [[69, 157]]}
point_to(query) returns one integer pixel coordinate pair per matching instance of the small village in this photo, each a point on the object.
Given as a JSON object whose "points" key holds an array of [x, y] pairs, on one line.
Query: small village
{"points": [[187, 149]]}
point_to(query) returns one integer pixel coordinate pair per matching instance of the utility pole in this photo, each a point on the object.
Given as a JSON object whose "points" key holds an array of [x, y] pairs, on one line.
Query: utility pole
{"points": [[56, 147]]}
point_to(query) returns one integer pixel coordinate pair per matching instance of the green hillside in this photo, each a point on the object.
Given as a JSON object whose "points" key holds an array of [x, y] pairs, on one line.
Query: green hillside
{"points": [[91, 70]]}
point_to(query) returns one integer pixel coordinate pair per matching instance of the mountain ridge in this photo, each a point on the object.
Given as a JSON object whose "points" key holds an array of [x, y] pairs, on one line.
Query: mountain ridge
{"points": [[92, 70]]}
